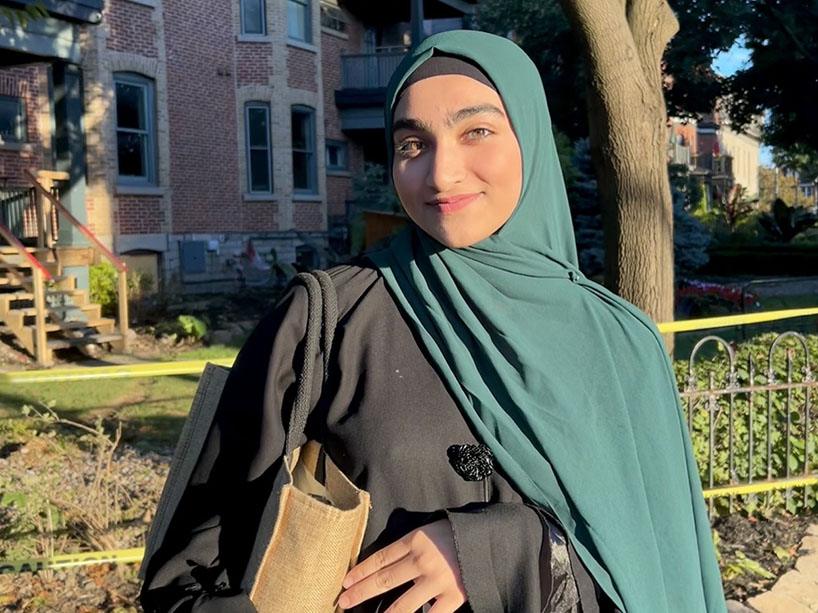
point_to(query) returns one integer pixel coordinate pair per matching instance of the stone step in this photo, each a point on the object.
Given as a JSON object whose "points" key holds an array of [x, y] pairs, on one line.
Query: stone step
{"points": [[78, 325]]}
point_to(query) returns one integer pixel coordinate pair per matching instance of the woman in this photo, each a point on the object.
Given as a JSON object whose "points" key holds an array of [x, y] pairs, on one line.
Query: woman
{"points": [[472, 336]]}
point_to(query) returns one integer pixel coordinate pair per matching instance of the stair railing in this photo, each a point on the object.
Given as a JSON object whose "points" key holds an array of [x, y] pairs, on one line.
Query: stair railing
{"points": [[39, 275], [120, 266]]}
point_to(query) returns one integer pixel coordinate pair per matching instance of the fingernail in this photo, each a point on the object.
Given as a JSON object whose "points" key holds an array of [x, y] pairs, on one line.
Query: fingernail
{"points": [[346, 582], [343, 602]]}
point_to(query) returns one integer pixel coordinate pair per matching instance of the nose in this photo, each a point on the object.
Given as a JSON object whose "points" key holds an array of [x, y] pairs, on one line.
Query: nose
{"points": [[446, 167]]}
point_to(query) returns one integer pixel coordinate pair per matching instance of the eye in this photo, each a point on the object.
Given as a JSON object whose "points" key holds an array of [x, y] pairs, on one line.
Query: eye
{"points": [[409, 147], [476, 134]]}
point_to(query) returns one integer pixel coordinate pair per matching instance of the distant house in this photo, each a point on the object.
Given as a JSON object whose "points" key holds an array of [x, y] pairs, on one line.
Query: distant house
{"points": [[717, 155]]}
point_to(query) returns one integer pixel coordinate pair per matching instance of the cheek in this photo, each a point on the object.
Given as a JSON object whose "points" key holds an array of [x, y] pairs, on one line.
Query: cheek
{"points": [[501, 168]]}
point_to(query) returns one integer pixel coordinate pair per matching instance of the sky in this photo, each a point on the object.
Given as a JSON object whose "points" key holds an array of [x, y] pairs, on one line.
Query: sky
{"points": [[727, 63]]}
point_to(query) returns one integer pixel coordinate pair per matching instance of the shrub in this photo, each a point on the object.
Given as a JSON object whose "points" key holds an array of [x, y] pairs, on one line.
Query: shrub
{"points": [[103, 286], [702, 299]]}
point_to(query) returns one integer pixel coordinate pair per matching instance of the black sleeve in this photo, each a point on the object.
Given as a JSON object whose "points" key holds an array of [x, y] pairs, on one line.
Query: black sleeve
{"points": [[200, 565], [507, 562]]}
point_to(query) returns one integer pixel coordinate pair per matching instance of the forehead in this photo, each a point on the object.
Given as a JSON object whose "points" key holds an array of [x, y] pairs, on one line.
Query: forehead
{"points": [[444, 93]]}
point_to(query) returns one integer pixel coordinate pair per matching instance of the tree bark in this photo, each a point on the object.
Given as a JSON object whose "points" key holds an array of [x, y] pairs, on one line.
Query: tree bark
{"points": [[623, 42]]}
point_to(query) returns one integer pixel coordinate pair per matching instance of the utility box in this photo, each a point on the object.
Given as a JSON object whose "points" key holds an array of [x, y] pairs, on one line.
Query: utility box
{"points": [[193, 257]]}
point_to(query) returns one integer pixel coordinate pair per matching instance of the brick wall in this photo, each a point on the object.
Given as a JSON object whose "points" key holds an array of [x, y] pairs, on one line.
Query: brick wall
{"points": [[204, 173], [308, 216], [301, 69], [139, 214], [260, 216], [23, 82], [253, 65], [131, 28], [339, 190]]}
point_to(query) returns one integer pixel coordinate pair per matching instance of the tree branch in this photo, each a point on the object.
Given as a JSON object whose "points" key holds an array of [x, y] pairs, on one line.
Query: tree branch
{"points": [[789, 32]]}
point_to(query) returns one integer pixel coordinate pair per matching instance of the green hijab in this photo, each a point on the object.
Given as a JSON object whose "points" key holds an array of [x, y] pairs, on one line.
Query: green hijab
{"points": [[569, 385]]}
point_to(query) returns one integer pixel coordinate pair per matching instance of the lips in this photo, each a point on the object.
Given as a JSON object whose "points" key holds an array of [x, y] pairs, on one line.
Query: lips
{"points": [[453, 203]]}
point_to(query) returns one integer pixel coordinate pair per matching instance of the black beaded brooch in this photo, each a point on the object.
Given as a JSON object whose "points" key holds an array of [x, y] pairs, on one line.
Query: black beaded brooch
{"points": [[471, 462]]}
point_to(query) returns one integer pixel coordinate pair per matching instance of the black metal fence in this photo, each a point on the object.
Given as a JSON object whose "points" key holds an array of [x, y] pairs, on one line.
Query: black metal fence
{"points": [[369, 70], [751, 423]]}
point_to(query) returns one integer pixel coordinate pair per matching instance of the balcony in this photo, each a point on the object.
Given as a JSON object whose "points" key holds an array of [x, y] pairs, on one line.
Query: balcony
{"points": [[369, 70]]}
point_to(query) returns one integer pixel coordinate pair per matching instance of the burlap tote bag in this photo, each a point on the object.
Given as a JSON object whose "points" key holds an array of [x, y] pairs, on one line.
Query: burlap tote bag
{"points": [[313, 525]]}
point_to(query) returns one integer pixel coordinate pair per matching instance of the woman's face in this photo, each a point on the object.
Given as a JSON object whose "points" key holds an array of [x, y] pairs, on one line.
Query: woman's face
{"points": [[457, 166]]}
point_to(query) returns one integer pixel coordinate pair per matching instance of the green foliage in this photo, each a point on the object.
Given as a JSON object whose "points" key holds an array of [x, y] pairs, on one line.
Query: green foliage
{"points": [[103, 286], [691, 238], [192, 327], [184, 326], [10, 17], [781, 77], [583, 198], [788, 449], [783, 223]]}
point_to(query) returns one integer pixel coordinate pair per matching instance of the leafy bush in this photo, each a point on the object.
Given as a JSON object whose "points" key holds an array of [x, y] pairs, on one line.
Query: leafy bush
{"points": [[103, 286], [192, 327], [783, 223], [703, 299]]}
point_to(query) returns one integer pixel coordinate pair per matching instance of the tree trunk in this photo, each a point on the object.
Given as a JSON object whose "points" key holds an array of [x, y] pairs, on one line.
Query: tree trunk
{"points": [[623, 42]]}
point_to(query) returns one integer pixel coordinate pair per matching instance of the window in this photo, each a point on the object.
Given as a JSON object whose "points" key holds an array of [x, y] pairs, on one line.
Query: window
{"points": [[332, 17], [298, 20], [303, 134], [12, 120], [252, 17], [336, 155], [259, 158], [135, 129]]}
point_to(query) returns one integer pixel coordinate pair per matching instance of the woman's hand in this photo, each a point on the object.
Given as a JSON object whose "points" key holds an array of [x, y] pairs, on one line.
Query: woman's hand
{"points": [[427, 556]]}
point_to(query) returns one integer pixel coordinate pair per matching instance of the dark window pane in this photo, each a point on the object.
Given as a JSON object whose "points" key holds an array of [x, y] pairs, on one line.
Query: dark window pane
{"points": [[259, 171], [253, 17], [12, 120], [301, 173], [297, 21], [301, 131], [131, 154], [257, 125], [130, 106]]}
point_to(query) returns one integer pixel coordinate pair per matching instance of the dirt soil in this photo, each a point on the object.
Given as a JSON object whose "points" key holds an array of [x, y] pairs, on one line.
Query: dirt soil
{"points": [[771, 542]]}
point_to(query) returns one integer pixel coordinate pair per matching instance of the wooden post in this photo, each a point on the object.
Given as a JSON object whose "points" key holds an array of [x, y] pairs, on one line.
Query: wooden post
{"points": [[40, 213], [43, 355], [123, 308]]}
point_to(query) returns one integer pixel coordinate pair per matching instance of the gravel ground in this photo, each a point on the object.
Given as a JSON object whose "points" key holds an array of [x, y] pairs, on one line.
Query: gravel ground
{"points": [[66, 477]]}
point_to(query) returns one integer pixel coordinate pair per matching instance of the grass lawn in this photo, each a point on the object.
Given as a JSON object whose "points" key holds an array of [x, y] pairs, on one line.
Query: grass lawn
{"points": [[152, 410]]}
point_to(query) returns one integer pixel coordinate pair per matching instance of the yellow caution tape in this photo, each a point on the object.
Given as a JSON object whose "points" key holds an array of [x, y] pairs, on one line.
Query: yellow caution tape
{"points": [[708, 323], [118, 556], [151, 369], [761, 486], [195, 367], [125, 556]]}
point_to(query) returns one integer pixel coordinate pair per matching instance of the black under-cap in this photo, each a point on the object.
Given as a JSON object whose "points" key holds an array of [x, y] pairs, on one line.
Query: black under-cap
{"points": [[440, 64]]}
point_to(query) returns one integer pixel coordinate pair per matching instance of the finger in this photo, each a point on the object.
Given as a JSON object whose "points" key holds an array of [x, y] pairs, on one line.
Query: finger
{"points": [[378, 560], [379, 582], [447, 604], [414, 598]]}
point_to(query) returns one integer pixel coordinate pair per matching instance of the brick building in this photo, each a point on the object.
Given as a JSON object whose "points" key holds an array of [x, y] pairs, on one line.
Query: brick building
{"points": [[211, 123]]}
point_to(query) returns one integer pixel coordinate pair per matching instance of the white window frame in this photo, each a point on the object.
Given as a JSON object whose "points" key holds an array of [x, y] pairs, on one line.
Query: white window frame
{"points": [[146, 84], [307, 34], [344, 148], [242, 9], [257, 105]]}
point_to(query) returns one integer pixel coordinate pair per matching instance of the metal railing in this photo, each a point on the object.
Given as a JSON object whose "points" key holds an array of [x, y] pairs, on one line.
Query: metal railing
{"points": [[752, 427], [369, 70]]}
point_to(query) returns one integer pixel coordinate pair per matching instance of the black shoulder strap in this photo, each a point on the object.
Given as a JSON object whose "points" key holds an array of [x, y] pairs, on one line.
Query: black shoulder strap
{"points": [[322, 317]]}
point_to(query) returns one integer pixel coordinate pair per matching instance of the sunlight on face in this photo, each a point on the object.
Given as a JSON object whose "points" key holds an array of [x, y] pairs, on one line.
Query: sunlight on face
{"points": [[457, 167]]}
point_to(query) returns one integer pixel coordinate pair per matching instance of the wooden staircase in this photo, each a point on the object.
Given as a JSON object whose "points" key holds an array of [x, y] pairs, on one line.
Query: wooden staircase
{"points": [[68, 318]]}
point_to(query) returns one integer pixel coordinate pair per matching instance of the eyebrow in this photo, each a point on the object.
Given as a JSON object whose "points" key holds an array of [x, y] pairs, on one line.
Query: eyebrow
{"points": [[452, 119]]}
